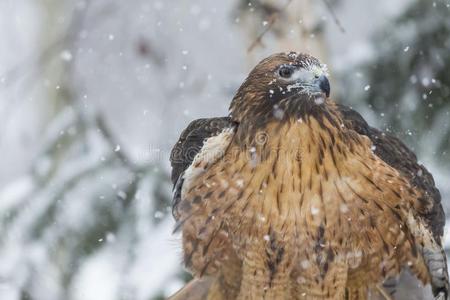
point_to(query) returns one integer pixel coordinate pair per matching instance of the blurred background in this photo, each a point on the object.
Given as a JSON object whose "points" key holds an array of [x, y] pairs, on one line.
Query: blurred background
{"points": [[93, 94]]}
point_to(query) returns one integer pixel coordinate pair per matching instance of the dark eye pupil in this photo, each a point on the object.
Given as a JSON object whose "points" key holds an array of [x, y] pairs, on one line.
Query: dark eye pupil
{"points": [[286, 72]]}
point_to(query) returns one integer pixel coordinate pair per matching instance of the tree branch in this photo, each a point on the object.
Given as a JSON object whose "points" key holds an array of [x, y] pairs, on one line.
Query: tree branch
{"points": [[272, 19], [334, 16]]}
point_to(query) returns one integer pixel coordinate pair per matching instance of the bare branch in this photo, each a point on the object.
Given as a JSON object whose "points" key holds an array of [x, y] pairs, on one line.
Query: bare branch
{"points": [[112, 141], [334, 16], [272, 19]]}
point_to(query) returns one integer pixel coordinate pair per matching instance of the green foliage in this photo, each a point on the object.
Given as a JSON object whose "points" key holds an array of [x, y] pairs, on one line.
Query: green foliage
{"points": [[409, 76]]}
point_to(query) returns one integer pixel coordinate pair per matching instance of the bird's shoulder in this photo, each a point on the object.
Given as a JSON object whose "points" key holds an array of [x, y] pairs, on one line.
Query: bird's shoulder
{"points": [[192, 140], [199, 144], [398, 156]]}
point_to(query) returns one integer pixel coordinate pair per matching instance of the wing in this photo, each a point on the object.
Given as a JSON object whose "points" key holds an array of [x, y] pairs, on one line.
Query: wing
{"points": [[200, 144], [428, 208]]}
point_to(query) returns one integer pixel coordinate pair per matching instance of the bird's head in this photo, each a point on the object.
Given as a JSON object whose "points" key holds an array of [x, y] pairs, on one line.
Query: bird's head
{"points": [[282, 84]]}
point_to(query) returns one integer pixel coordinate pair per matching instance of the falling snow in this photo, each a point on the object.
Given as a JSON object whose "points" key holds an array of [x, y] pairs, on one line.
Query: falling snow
{"points": [[145, 70]]}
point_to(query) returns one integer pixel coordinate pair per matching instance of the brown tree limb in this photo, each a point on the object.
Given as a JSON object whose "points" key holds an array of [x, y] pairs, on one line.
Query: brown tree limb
{"points": [[334, 16], [272, 19]]}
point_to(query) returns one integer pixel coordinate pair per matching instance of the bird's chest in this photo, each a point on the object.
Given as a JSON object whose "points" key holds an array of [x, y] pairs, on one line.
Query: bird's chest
{"points": [[306, 185], [292, 180]]}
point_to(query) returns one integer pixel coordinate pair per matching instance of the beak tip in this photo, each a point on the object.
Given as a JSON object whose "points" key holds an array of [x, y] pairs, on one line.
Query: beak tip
{"points": [[324, 85]]}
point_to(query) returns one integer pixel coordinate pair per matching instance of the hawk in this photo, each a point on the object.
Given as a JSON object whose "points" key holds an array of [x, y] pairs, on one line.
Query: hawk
{"points": [[293, 196]]}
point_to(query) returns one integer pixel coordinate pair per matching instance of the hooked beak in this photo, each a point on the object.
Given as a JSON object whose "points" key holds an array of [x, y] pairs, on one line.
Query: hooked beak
{"points": [[324, 85]]}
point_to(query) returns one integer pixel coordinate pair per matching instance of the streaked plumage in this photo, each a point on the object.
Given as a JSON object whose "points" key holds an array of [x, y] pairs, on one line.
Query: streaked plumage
{"points": [[296, 197]]}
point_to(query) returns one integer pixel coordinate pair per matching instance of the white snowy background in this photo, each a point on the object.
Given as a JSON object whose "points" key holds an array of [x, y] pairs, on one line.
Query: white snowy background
{"points": [[93, 94]]}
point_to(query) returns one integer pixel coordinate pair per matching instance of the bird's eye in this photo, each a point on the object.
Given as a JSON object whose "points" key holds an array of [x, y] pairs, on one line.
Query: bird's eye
{"points": [[286, 71]]}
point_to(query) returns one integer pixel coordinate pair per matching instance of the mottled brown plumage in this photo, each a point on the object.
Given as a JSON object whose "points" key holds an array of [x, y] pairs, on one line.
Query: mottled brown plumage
{"points": [[295, 197]]}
